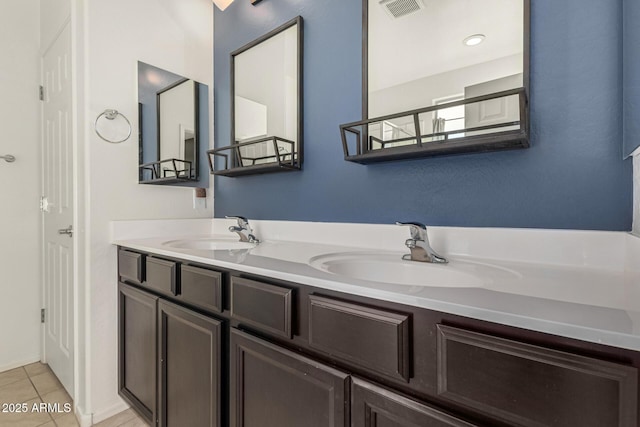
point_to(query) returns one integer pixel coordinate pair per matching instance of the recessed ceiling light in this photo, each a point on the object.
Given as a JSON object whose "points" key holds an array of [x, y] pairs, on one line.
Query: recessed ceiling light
{"points": [[474, 40]]}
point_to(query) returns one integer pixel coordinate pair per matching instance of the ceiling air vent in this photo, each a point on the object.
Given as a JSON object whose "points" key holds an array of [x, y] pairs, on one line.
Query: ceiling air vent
{"points": [[398, 8]]}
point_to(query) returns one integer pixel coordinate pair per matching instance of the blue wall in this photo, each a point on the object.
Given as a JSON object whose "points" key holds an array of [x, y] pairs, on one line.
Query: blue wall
{"points": [[631, 79], [572, 177]]}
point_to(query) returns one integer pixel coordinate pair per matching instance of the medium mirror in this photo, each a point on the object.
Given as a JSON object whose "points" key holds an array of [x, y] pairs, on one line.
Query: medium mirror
{"points": [[444, 76], [266, 105], [173, 117]]}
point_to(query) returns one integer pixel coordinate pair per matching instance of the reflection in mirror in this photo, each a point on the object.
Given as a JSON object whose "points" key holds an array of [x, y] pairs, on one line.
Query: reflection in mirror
{"points": [[462, 63], [266, 103], [266, 132], [173, 114], [177, 121], [266, 109]]}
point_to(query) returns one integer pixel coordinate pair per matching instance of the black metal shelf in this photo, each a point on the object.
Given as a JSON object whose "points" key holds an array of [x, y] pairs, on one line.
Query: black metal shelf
{"points": [[255, 170], [179, 171], [166, 181], [507, 135], [235, 163]]}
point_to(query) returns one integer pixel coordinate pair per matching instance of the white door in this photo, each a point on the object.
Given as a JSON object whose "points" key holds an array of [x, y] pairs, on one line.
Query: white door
{"points": [[493, 111], [57, 159]]}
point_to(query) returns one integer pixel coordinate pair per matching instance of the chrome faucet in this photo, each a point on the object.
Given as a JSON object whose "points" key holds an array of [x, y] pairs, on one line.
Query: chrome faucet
{"points": [[243, 229], [419, 245]]}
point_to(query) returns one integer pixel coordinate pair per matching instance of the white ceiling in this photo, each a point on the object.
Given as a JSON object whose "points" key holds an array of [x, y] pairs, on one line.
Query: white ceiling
{"points": [[429, 41]]}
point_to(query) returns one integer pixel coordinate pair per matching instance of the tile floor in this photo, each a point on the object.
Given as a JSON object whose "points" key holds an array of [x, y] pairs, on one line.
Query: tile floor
{"points": [[127, 418], [35, 384]]}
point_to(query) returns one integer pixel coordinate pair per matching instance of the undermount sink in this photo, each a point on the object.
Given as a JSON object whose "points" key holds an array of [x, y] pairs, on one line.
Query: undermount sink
{"points": [[390, 268], [208, 243]]}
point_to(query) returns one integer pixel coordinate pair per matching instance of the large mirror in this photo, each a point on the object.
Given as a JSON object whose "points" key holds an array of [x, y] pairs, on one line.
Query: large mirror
{"points": [[173, 123], [460, 65], [266, 105]]}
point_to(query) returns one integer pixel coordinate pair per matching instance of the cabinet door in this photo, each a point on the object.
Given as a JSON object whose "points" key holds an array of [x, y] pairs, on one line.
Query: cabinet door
{"points": [[189, 374], [137, 355], [531, 386], [374, 406], [274, 387]]}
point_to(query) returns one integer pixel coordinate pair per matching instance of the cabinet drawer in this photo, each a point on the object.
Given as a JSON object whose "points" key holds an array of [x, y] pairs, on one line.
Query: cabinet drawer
{"points": [[372, 338], [266, 307], [527, 385], [373, 406], [201, 287], [131, 266], [162, 275]]}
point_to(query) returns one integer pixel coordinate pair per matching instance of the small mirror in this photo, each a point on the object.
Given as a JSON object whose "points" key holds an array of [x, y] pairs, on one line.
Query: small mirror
{"points": [[266, 105], [173, 116], [443, 76]]}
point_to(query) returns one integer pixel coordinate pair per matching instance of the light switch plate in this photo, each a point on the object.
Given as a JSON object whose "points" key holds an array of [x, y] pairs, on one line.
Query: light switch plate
{"points": [[199, 199]]}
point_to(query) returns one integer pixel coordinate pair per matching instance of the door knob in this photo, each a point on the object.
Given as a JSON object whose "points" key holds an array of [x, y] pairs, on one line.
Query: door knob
{"points": [[67, 231]]}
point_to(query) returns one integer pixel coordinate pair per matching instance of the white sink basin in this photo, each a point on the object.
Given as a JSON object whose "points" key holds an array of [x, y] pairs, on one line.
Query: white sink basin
{"points": [[390, 268], [210, 244]]}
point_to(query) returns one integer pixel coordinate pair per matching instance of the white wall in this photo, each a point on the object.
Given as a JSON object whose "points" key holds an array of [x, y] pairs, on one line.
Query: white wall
{"points": [[636, 192], [177, 110], [421, 92], [276, 61], [176, 35], [53, 15], [20, 284]]}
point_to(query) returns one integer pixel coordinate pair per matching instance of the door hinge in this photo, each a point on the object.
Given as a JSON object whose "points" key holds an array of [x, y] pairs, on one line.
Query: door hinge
{"points": [[44, 204], [41, 93], [42, 315]]}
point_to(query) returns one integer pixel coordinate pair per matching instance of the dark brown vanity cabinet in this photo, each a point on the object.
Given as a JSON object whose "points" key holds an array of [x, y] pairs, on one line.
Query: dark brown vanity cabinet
{"points": [[275, 387], [272, 386], [291, 355], [412, 367], [374, 406], [262, 306], [137, 349], [529, 385], [170, 356], [189, 371], [372, 338], [161, 276]]}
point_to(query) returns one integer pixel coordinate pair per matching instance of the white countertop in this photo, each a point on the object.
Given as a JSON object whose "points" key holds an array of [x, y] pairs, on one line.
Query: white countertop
{"points": [[580, 295]]}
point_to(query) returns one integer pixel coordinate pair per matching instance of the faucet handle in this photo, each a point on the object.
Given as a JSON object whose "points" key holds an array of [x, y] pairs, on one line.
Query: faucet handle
{"points": [[417, 229], [242, 221], [416, 224]]}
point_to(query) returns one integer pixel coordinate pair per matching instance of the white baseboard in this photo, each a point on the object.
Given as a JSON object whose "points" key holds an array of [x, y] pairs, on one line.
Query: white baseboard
{"points": [[110, 412], [83, 419], [19, 363]]}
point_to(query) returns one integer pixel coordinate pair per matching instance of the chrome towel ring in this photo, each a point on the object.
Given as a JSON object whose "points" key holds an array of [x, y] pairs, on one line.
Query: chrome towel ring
{"points": [[8, 158], [110, 114]]}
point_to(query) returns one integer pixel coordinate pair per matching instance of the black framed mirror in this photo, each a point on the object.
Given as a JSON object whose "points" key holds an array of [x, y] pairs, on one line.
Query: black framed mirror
{"points": [[173, 124], [441, 77], [266, 110]]}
